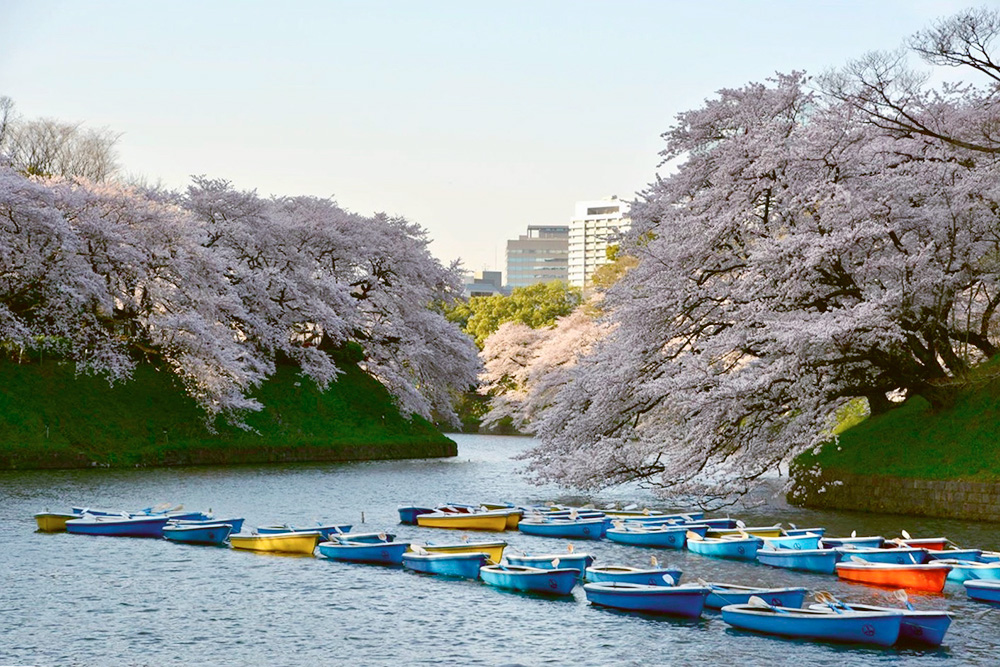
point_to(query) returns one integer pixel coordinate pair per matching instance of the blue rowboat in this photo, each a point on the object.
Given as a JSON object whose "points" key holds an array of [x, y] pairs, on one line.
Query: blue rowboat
{"points": [[559, 581], [984, 591], [149, 526], [623, 574], [660, 537], [791, 532], [806, 560], [465, 565], [363, 537], [874, 542], [685, 601], [720, 595], [409, 514], [699, 529], [578, 562], [738, 548], [958, 554], [583, 529], [237, 524], [386, 553], [797, 542], [962, 570], [204, 533], [897, 556], [918, 626], [881, 628], [173, 513], [325, 531], [989, 557]]}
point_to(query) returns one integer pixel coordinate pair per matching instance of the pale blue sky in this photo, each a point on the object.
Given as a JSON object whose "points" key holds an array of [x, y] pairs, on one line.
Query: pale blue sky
{"points": [[474, 119]]}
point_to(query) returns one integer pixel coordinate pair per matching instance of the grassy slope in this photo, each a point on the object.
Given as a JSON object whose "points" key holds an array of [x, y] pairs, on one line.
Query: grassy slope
{"points": [[49, 418], [912, 441]]}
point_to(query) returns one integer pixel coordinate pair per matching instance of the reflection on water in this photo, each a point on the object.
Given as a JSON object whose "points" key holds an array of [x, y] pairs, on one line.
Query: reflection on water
{"points": [[72, 599]]}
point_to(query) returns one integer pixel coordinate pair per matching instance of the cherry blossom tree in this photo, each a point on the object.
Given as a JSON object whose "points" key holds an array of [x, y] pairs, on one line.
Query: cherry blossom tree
{"points": [[219, 285], [807, 252], [524, 368]]}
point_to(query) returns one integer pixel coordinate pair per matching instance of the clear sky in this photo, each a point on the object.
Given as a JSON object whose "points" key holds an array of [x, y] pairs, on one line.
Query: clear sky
{"points": [[472, 118]]}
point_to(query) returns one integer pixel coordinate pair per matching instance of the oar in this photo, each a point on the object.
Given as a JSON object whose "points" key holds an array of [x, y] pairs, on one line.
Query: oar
{"points": [[755, 601], [569, 547], [691, 535], [669, 580], [906, 535], [854, 533], [555, 562], [901, 595], [708, 584], [653, 561], [833, 603], [416, 548]]}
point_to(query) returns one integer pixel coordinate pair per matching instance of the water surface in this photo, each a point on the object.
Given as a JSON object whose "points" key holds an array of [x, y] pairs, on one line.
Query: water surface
{"points": [[79, 600]]}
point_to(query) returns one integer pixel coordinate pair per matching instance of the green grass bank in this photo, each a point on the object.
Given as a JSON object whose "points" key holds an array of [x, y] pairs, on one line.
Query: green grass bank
{"points": [[912, 460], [51, 418]]}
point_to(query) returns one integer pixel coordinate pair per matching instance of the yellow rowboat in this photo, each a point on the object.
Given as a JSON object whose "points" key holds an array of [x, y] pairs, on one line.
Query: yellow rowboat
{"points": [[300, 542], [493, 549], [514, 514], [53, 522], [759, 531], [477, 521]]}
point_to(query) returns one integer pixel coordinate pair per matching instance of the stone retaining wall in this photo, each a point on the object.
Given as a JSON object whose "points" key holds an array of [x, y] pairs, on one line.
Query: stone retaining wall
{"points": [[979, 501]]}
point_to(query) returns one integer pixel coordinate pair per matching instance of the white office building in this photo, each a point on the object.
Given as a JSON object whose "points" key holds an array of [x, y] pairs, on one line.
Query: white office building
{"points": [[593, 228]]}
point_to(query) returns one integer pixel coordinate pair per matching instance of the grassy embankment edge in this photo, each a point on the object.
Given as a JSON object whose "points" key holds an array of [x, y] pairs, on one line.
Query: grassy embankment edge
{"points": [[52, 418], [914, 441]]}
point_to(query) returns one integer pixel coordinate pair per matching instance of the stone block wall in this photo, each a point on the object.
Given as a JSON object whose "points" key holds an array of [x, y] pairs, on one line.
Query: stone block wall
{"points": [[979, 501]]}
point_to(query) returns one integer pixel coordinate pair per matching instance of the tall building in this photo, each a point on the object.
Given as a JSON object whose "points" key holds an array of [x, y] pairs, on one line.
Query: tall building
{"points": [[540, 256], [593, 224]]}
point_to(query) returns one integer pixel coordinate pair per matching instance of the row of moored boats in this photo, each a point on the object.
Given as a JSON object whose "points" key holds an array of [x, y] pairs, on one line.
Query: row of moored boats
{"points": [[903, 563]]}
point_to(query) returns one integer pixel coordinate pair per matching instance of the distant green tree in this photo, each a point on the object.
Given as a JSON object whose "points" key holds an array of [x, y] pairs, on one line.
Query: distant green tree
{"points": [[535, 306]]}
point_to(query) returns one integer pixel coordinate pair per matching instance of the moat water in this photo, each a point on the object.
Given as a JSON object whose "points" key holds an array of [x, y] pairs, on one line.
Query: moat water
{"points": [[79, 600]]}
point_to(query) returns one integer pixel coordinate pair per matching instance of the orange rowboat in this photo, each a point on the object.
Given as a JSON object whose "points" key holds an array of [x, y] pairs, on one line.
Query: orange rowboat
{"points": [[928, 577]]}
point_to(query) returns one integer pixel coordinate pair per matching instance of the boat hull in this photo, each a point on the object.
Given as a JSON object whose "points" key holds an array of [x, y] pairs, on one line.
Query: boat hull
{"points": [[559, 581], [209, 534], [493, 550], [659, 538], [964, 570], [899, 556], [927, 628], [118, 527], [326, 532], [578, 562], [409, 514], [760, 531], [583, 529], [683, 601], [823, 561], [733, 549], [929, 577], [880, 629], [481, 521], [796, 542], [385, 553], [874, 542], [633, 575], [303, 542], [53, 522], [983, 591], [465, 565], [720, 595]]}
